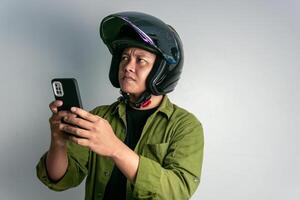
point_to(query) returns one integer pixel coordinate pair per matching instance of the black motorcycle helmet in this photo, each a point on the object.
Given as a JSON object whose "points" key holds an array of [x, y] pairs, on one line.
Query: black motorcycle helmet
{"points": [[134, 29]]}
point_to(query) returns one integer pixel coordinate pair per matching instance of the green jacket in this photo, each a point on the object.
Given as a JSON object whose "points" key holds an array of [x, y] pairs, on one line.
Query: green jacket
{"points": [[170, 150]]}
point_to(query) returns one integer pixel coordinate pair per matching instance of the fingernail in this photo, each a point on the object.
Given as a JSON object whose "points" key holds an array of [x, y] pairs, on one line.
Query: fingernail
{"points": [[73, 109]]}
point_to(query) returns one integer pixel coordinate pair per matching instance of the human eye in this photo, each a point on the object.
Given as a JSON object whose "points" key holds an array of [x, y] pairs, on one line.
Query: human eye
{"points": [[124, 57], [142, 61]]}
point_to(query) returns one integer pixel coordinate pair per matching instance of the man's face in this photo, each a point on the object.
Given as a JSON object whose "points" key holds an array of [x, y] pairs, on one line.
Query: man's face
{"points": [[134, 69]]}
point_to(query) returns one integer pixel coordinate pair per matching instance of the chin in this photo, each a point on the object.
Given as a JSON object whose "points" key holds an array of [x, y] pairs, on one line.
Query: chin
{"points": [[131, 91], [127, 90]]}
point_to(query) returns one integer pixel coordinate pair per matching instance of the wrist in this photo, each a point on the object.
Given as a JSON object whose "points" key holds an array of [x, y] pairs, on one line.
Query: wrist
{"points": [[58, 145], [58, 140], [118, 151], [126, 160]]}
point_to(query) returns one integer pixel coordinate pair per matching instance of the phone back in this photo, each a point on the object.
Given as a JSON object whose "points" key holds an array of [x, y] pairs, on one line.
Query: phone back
{"points": [[66, 90]]}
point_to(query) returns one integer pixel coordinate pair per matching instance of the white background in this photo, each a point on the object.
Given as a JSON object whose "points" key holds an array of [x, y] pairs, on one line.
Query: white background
{"points": [[241, 79]]}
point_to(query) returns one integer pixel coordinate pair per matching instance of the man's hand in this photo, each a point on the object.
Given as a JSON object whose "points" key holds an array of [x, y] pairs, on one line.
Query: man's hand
{"points": [[97, 134], [57, 161], [58, 137], [91, 131]]}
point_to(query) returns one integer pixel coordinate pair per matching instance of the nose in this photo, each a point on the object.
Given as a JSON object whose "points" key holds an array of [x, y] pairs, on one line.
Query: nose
{"points": [[129, 66]]}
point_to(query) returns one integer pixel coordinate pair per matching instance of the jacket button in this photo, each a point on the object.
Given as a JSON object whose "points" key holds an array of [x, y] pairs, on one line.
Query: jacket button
{"points": [[106, 173]]}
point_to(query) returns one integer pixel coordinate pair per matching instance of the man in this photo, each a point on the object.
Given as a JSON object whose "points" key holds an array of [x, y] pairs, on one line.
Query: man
{"points": [[142, 146]]}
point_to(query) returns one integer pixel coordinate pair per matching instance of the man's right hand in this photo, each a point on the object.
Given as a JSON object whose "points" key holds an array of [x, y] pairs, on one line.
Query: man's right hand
{"points": [[57, 161], [58, 137]]}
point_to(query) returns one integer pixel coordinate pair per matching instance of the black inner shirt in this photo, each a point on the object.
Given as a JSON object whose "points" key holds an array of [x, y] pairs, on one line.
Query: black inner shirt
{"points": [[136, 119]]}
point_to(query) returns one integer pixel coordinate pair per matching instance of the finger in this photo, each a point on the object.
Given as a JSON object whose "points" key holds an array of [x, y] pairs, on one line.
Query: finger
{"points": [[84, 114], [61, 114], [78, 122], [79, 141], [75, 131], [54, 105], [54, 119]]}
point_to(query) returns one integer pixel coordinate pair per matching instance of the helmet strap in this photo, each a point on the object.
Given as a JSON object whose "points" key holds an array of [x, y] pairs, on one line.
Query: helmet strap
{"points": [[143, 101]]}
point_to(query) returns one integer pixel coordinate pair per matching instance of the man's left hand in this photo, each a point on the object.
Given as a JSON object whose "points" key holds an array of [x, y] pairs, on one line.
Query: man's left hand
{"points": [[92, 131]]}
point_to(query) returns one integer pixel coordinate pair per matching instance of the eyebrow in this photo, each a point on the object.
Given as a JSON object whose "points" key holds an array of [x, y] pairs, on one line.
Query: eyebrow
{"points": [[137, 54]]}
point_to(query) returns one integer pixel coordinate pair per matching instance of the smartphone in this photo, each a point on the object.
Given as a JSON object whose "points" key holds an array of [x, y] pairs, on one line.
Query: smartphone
{"points": [[66, 90]]}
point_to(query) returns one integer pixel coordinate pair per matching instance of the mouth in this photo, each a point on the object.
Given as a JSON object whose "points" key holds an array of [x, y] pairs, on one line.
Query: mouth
{"points": [[128, 78]]}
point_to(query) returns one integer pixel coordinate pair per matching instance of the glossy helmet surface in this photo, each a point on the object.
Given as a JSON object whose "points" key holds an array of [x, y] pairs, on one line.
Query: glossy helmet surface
{"points": [[135, 29]]}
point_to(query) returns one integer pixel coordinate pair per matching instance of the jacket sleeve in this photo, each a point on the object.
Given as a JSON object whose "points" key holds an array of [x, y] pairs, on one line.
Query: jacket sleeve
{"points": [[76, 171], [179, 175]]}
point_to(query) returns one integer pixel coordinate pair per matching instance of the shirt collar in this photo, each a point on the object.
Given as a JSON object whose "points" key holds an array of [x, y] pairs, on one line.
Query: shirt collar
{"points": [[165, 107]]}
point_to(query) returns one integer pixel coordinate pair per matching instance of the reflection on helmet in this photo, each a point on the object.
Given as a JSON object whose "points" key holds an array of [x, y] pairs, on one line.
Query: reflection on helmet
{"points": [[135, 29]]}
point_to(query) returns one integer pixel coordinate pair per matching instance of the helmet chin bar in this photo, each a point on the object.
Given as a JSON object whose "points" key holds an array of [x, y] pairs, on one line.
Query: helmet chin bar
{"points": [[142, 101]]}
